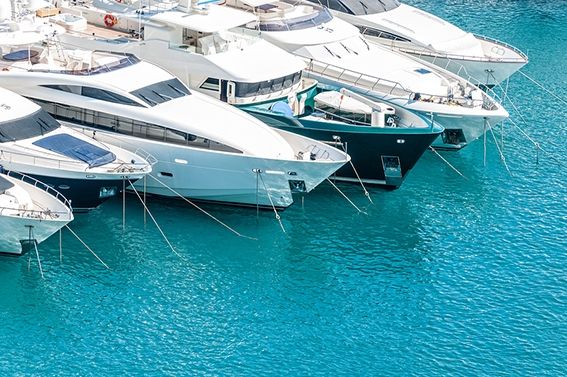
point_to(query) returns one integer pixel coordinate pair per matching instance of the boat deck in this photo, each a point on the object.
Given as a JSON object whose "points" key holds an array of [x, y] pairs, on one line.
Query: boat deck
{"points": [[102, 32]]}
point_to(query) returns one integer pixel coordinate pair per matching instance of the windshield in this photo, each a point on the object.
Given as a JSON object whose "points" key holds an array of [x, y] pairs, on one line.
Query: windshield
{"points": [[359, 7], [36, 124], [315, 16], [160, 92]]}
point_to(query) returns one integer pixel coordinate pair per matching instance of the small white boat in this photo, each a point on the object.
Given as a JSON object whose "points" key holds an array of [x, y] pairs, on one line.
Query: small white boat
{"points": [[428, 37], [30, 212]]}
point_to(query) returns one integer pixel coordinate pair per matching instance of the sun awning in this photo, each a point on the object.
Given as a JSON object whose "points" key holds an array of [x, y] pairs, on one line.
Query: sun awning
{"points": [[216, 18]]}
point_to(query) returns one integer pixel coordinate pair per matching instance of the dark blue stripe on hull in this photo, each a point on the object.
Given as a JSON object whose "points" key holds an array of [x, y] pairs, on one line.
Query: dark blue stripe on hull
{"points": [[84, 194]]}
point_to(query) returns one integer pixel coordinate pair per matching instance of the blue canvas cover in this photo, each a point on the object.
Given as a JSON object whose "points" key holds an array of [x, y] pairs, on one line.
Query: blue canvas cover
{"points": [[78, 149]]}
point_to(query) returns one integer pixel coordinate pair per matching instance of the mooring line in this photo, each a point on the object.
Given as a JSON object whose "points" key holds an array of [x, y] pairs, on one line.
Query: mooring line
{"points": [[32, 239], [202, 210], [278, 217], [366, 193], [535, 143], [38, 260], [499, 150], [155, 222], [447, 162], [543, 88], [346, 197], [87, 246]]}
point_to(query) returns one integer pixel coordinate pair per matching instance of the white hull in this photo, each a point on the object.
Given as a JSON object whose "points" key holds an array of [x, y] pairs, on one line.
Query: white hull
{"points": [[488, 73], [479, 70], [482, 60], [197, 174], [29, 213], [16, 229]]}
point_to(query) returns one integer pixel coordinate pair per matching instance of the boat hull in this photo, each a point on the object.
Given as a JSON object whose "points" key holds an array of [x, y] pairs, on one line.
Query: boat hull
{"points": [[222, 177], [16, 233], [84, 193], [482, 72], [381, 156]]}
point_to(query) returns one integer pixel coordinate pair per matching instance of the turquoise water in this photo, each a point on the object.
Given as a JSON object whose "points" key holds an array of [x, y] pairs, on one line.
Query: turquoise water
{"points": [[445, 276]]}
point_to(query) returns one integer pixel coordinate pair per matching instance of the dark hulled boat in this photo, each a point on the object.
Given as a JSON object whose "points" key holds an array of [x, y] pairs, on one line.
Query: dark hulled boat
{"points": [[384, 141]]}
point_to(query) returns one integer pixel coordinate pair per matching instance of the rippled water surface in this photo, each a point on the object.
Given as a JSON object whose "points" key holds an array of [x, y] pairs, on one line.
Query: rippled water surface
{"points": [[445, 276]]}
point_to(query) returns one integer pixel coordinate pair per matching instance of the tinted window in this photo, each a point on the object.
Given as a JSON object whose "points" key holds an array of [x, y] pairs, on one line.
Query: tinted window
{"points": [[96, 93], [161, 92], [381, 34], [298, 23], [36, 124], [359, 7], [132, 127], [244, 89]]}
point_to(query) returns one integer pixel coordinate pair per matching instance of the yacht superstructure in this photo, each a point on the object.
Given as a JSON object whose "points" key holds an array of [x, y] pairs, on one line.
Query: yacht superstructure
{"points": [[205, 149], [337, 54], [203, 45], [428, 37]]}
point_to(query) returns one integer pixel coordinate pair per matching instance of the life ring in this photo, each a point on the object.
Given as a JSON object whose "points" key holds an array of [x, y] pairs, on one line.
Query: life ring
{"points": [[110, 20]]}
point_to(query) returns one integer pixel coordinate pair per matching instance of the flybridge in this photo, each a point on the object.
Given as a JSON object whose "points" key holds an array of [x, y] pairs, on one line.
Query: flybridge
{"points": [[217, 18]]}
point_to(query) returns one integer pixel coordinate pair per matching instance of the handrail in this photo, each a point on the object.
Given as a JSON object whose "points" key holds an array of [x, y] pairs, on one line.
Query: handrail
{"points": [[487, 103], [393, 85], [494, 40], [21, 211], [6, 155], [40, 185], [399, 123], [424, 51]]}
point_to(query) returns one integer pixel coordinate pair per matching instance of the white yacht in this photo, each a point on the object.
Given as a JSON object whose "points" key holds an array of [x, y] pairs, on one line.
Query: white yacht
{"points": [[428, 37], [203, 45], [205, 149], [85, 170], [337, 54], [30, 212]]}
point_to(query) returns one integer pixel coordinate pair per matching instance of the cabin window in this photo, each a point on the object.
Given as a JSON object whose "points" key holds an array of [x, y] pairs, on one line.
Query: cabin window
{"points": [[105, 95], [381, 34], [35, 124], [245, 89], [335, 5], [96, 93], [319, 16], [210, 84], [161, 92], [131, 127], [360, 7]]}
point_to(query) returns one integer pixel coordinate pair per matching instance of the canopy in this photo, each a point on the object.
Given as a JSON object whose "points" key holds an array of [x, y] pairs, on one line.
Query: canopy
{"points": [[215, 18]]}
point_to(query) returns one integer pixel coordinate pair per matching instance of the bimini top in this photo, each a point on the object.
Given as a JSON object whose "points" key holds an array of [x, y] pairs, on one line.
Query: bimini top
{"points": [[215, 18], [359, 7]]}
